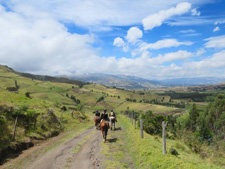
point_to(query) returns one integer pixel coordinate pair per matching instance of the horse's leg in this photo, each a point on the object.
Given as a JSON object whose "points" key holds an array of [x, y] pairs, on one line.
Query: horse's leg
{"points": [[96, 124], [111, 124], [103, 135], [106, 130]]}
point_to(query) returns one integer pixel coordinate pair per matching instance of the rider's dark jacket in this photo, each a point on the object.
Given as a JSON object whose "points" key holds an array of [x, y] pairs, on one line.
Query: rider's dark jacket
{"points": [[104, 116], [97, 113]]}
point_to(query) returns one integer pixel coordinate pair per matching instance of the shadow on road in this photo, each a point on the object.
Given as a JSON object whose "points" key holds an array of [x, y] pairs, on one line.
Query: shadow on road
{"points": [[112, 140], [118, 128]]}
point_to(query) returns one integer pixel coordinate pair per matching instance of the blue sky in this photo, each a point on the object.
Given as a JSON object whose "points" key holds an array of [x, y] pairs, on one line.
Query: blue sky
{"points": [[155, 39]]}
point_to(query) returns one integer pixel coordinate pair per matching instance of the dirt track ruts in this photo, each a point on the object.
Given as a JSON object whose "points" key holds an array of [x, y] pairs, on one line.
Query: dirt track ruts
{"points": [[64, 156]]}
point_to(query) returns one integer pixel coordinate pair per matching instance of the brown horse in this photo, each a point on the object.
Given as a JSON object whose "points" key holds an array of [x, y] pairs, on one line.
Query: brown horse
{"points": [[104, 128], [97, 122]]}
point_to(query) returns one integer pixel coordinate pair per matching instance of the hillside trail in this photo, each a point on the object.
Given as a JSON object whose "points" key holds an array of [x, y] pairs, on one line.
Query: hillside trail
{"points": [[80, 152], [65, 155]]}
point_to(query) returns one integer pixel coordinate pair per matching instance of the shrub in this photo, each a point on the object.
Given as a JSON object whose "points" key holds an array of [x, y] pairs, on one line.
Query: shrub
{"points": [[100, 99], [173, 151]]}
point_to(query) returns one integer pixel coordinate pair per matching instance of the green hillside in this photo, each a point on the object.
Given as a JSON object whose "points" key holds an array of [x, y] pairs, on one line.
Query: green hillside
{"points": [[36, 107]]}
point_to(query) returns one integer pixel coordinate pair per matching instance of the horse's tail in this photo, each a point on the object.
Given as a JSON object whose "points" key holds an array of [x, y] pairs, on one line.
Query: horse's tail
{"points": [[106, 127]]}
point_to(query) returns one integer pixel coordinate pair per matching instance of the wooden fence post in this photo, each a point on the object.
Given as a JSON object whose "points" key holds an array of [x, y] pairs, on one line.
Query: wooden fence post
{"points": [[141, 125], [135, 123], [132, 116], [14, 130], [164, 136]]}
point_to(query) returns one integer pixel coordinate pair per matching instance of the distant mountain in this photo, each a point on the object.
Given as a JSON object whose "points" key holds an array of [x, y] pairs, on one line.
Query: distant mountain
{"points": [[132, 82], [120, 81], [196, 81]]}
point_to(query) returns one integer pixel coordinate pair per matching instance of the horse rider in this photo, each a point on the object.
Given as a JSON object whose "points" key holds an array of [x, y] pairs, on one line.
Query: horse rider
{"points": [[97, 113], [113, 114], [104, 116]]}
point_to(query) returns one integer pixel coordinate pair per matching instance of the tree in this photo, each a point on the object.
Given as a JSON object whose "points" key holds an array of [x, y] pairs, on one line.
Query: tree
{"points": [[193, 116]]}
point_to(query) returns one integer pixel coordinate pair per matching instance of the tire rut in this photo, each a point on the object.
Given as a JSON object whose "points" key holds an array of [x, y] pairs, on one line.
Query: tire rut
{"points": [[63, 156]]}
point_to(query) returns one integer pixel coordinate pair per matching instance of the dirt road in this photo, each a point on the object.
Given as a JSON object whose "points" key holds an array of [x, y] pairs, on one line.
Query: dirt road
{"points": [[65, 156], [80, 152]]}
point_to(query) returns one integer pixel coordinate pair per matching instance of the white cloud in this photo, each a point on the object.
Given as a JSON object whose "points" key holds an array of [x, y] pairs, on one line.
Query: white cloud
{"points": [[200, 52], [42, 45], [187, 31], [215, 61], [219, 22], [187, 20], [119, 42], [133, 34], [215, 42], [194, 12], [169, 57], [157, 19], [95, 14], [216, 29], [33, 40], [166, 43]]}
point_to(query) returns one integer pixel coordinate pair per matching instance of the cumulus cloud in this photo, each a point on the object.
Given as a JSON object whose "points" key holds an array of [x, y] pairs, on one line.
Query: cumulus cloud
{"points": [[133, 34], [215, 42], [194, 12], [119, 42], [157, 19], [216, 29], [217, 60], [42, 45]]}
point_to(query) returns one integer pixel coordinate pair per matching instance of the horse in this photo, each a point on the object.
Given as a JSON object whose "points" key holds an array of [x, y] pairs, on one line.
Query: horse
{"points": [[97, 120], [112, 122], [104, 128]]}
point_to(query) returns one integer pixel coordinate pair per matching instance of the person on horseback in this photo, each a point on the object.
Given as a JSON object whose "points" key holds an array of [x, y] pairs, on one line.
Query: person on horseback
{"points": [[97, 113], [104, 116], [113, 114], [104, 124], [97, 119]]}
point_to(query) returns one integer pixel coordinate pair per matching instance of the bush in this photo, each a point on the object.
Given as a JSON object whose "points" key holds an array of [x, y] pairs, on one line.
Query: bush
{"points": [[152, 123], [100, 99], [173, 151]]}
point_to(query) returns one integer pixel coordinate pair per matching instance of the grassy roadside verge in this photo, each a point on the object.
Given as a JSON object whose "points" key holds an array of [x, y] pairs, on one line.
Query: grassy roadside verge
{"points": [[147, 152], [115, 149]]}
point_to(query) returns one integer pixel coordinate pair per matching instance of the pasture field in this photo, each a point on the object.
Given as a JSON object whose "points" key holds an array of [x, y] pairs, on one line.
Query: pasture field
{"points": [[147, 152]]}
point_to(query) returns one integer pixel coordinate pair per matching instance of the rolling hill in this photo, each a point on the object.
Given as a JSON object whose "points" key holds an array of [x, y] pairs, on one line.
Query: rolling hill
{"points": [[133, 82]]}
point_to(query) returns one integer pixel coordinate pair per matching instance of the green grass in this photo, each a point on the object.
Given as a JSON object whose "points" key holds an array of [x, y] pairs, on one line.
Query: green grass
{"points": [[144, 153], [147, 152], [145, 107]]}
